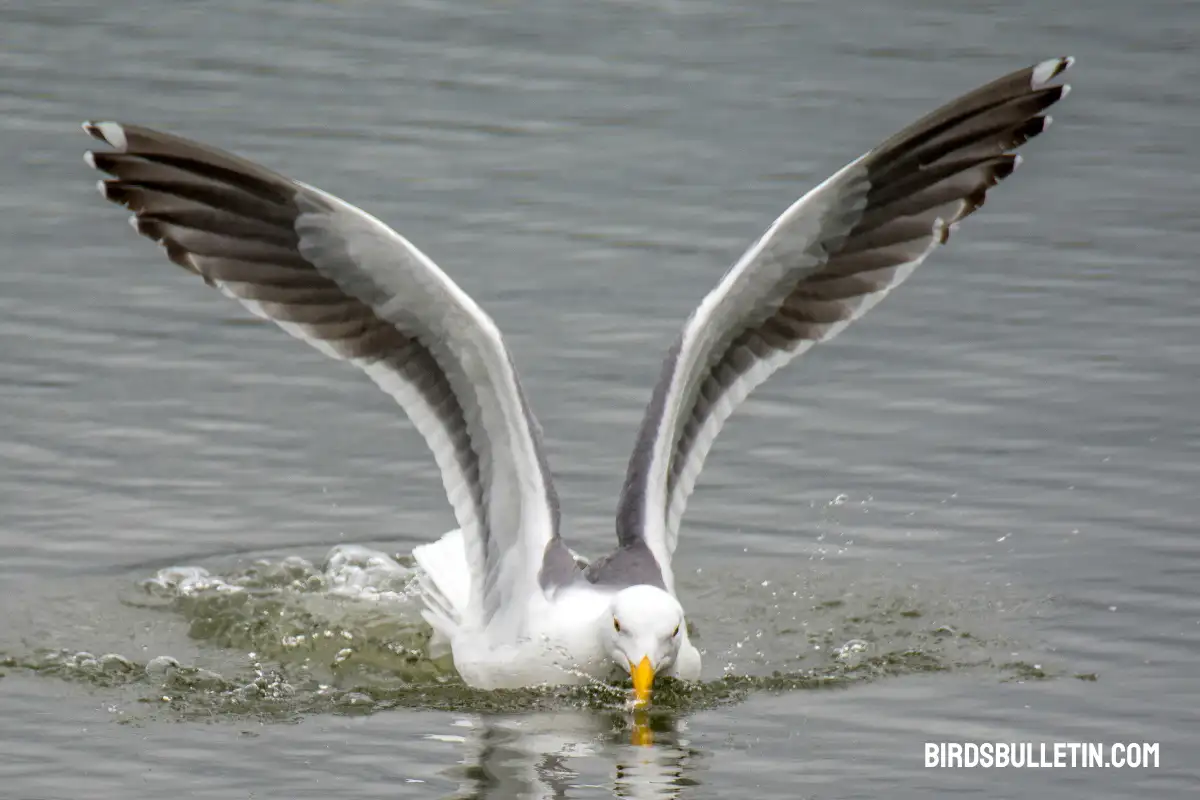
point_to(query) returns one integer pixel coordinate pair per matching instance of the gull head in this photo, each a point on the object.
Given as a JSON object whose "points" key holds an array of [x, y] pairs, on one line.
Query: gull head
{"points": [[644, 634]]}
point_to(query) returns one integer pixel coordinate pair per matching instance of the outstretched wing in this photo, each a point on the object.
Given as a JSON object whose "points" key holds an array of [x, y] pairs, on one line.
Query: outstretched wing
{"points": [[823, 264], [342, 281]]}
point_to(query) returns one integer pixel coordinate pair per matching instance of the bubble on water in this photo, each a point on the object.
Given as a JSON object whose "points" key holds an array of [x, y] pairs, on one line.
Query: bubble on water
{"points": [[444, 737], [84, 662], [116, 663], [161, 666], [356, 699], [851, 650], [267, 685]]}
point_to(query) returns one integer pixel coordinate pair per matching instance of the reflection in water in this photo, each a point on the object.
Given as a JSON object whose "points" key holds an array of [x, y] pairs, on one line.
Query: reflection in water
{"points": [[567, 754], [656, 761]]}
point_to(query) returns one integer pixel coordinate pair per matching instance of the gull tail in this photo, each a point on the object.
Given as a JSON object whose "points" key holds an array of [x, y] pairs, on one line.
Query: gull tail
{"points": [[445, 587]]}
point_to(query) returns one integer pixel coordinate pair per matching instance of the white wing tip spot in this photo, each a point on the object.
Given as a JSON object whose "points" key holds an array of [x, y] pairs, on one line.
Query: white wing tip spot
{"points": [[89, 158], [110, 132], [102, 188], [1044, 72], [941, 231]]}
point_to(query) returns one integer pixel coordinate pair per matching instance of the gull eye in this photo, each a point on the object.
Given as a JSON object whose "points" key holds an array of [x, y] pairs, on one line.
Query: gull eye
{"points": [[675, 632], [616, 625]]}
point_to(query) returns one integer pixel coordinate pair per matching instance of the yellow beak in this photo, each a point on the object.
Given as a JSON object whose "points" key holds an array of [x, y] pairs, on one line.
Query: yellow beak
{"points": [[643, 679]]}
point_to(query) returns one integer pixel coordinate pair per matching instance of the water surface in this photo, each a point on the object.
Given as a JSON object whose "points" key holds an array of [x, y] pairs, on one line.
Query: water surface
{"points": [[972, 517]]}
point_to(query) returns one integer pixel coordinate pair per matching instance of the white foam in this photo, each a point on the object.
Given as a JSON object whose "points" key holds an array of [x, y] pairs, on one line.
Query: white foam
{"points": [[186, 580], [355, 571]]}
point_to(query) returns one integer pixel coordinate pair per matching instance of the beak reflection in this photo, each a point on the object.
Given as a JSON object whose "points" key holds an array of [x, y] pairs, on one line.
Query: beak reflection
{"points": [[640, 735]]}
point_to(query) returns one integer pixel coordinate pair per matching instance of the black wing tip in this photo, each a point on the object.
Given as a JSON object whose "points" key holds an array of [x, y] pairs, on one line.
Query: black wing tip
{"points": [[1009, 164], [1029, 129]]}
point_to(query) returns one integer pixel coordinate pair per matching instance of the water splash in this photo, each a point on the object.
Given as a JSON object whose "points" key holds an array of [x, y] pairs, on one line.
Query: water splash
{"points": [[293, 638]]}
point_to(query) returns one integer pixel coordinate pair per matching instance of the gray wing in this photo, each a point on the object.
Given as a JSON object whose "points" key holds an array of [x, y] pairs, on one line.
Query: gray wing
{"points": [[824, 263], [342, 281]]}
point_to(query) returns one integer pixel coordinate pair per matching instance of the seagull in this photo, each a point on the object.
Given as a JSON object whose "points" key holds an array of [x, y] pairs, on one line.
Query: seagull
{"points": [[513, 603]]}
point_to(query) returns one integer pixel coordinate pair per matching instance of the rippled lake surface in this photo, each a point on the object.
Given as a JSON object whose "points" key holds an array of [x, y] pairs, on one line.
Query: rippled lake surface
{"points": [[970, 518]]}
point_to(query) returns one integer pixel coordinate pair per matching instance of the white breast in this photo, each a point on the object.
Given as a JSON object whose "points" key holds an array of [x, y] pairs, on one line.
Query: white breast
{"points": [[563, 644]]}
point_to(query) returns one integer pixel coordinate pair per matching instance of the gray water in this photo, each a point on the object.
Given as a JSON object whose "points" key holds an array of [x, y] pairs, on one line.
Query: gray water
{"points": [[970, 518]]}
